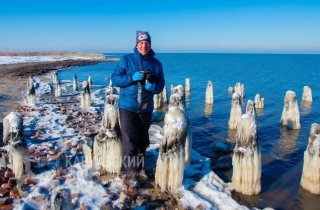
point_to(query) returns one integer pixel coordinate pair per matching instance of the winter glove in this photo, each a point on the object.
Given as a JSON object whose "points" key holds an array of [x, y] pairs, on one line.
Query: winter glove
{"points": [[137, 76], [150, 86]]}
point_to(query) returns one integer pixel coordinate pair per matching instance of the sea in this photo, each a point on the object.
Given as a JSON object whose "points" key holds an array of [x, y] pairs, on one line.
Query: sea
{"points": [[270, 75]]}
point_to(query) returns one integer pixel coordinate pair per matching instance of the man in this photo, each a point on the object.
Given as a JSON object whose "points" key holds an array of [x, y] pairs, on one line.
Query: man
{"points": [[139, 76]]}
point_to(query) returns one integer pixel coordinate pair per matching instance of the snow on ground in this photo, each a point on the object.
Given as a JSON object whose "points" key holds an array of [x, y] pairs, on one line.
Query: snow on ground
{"points": [[52, 132], [30, 59]]}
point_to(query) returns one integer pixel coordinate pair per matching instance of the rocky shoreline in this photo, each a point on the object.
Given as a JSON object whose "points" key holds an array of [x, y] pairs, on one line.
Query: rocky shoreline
{"points": [[15, 76]]}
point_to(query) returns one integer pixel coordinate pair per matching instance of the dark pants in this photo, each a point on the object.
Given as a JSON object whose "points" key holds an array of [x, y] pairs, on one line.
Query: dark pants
{"points": [[135, 138]]}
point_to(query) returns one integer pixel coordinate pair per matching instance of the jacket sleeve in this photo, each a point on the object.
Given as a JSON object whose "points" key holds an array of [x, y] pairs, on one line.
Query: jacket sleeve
{"points": [[159, 81], [120, 77]]}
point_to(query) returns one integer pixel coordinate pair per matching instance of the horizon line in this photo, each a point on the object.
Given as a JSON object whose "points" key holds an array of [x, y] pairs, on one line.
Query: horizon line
{"points": [[170, 52], [269, 53]]}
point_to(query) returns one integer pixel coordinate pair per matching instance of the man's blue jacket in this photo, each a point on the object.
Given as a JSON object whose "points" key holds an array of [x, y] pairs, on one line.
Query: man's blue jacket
{"points": [[122, 77]]}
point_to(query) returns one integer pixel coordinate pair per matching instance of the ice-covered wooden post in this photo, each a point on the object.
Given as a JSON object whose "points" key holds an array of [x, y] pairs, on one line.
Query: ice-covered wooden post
{"points": [[89, 81], [246, 159], [181, 104], [171, 160], [75, 83], [188, 145], [12, 128], [236, 112], [85, 96], [32, 99], [56, 85], [258, 102], [290, 114], [310, 179], [54, 78], [307, 94], [157, 101], [106, 150], [160, 100], [164, 96], [110, 116], [57, 89], [14, 153], [239, 88], [209, 93], [187, 87], [250, 108]]}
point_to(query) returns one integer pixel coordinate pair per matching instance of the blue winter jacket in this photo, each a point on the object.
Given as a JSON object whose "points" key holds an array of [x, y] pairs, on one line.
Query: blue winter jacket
{"points": [[122, 77]]}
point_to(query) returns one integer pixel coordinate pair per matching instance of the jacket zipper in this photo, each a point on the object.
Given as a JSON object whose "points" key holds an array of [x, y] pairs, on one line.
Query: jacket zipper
{"points": [[139, 95]]}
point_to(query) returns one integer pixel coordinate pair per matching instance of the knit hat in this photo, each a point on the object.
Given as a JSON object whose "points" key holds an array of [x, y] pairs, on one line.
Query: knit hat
{"points": [[142, 35]]}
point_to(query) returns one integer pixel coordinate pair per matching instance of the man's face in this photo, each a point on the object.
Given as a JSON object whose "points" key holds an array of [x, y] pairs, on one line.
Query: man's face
{"points": [[143, 47]]}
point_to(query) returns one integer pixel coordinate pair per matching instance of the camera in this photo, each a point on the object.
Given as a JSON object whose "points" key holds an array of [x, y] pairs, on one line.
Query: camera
{"points": [[147, 76]]}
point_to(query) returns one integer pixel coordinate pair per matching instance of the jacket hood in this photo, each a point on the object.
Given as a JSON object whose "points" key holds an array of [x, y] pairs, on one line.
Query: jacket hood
{"points": [[151, 52]]}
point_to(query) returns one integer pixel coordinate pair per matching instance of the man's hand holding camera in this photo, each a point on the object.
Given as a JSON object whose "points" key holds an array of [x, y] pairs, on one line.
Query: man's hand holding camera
{"points": [[146, 78], [137, 76], [150, 86]]}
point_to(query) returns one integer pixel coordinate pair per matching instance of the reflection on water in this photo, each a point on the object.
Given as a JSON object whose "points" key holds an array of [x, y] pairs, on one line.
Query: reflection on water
{"points": [[259, 112], [187, 97], [286, 144], [307, 200], [208, 109], [306, 107], [285, 189]]}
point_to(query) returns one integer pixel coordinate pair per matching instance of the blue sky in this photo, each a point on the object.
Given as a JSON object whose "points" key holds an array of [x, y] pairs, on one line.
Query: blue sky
{"points": [[255, 26]]}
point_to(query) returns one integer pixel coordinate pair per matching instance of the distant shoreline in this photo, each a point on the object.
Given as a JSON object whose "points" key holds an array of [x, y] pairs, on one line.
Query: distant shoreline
{"points": [[23, 70]]}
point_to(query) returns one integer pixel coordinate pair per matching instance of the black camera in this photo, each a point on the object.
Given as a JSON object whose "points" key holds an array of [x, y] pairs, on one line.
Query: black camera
{"points": [[147, 76]]}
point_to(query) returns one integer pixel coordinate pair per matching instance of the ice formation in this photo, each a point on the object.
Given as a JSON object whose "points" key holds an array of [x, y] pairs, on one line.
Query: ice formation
{"points": [[258, 102], [156, 101], [310, 179], [85, 96], [14, 153], [307, 94], [290, 114], [246, 159], [54, 78], [75, 83], [106, 150], [160, 100], [236, 112], [180, 102], [164, 96], [239, 88], [32, 99], [171, 160], [57, 89], [250, 108], [110, 119], [209, 93], [187, 87], [89, 81]]}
